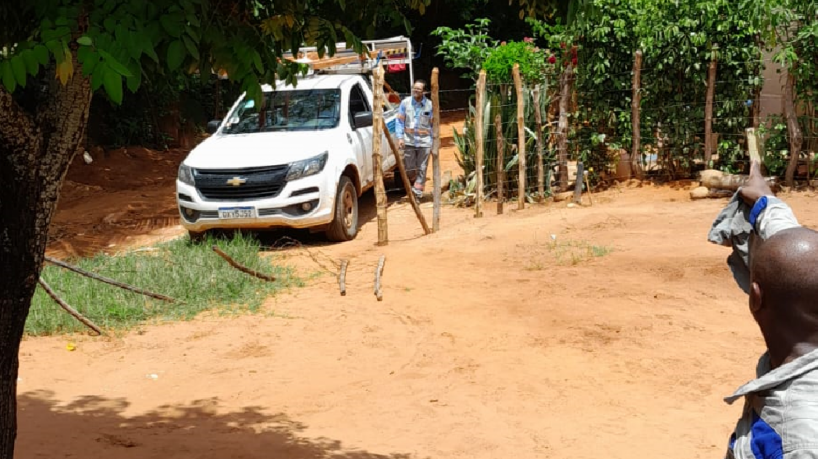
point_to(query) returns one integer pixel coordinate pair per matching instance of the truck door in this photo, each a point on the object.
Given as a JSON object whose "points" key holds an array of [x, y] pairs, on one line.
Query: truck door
{"points": [[361, 138]]}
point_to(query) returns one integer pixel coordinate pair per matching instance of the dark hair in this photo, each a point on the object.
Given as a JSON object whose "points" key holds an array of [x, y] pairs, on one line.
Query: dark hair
{"points": [[423, 82]]}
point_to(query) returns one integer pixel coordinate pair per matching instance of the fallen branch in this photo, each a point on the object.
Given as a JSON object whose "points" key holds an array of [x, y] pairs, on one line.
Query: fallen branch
{"points": [[241, 267], [378, 275], [342, 277], [68, 308], [110, 281]]}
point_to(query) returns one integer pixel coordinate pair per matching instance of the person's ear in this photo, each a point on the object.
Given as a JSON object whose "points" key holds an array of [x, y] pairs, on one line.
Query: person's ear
{"points": [[755, 298]]}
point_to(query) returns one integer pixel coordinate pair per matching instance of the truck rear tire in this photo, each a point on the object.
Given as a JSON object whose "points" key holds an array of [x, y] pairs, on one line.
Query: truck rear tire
{"points": [[344, 226]]}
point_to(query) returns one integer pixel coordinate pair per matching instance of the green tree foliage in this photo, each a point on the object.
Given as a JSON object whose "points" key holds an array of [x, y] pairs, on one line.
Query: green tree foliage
{"points": [[678, 39]]}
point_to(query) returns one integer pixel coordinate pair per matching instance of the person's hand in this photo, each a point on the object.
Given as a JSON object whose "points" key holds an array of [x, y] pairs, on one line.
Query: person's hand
{"points": [[756, 185], [401, 144]]}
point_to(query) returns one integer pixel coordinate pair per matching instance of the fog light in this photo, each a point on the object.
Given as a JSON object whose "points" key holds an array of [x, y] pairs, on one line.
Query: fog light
{"points": [[306, 207], [188, 212]]}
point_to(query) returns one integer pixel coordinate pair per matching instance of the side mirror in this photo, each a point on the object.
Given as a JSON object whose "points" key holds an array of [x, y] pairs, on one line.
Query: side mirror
{"points": [[363, 119], [213, 126]]}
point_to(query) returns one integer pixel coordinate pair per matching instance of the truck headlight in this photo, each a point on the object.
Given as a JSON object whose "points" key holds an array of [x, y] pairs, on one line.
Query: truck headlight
{"points": [[307, 167], [186, 175]]}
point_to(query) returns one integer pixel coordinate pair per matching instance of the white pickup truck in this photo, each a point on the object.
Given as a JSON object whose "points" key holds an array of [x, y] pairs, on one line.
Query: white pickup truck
{"points": [[301, 161]]}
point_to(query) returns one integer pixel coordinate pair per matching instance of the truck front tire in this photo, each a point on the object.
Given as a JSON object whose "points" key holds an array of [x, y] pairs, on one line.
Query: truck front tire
{"points": [[344, 226]]}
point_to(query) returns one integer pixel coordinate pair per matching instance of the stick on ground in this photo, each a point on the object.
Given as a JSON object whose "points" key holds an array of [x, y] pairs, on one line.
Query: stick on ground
{"points": [[378, 275], [107, 280], [241, 267], [342, 277], [69, 309]]}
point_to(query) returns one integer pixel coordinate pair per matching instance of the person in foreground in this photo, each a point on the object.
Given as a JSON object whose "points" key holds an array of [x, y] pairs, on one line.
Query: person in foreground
{"points": [[780, 416]]}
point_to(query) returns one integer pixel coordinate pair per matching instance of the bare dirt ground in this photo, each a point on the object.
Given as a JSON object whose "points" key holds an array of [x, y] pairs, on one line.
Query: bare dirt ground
{"points": [[492, 341]]}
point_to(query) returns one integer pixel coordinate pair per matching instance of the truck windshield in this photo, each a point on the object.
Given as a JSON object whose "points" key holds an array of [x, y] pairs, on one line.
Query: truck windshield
{"points": [[298, 110]]}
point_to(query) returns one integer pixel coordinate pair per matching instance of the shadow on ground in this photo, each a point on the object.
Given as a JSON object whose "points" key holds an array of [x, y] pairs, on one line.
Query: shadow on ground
{"points": [[94, 426]]}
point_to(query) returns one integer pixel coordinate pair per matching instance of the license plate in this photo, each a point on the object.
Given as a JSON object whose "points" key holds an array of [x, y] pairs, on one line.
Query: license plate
{"points": [[237, 212]]}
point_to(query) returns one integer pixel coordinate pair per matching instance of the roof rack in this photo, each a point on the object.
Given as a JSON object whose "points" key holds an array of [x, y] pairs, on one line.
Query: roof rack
{"points": [[394, 51]]}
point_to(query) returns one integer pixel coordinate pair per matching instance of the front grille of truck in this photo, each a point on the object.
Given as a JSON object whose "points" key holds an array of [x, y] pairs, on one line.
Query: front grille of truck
{"points": [[259, 183]]}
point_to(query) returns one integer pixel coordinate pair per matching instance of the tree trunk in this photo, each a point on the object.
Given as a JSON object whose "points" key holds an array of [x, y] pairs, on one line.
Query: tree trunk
{"points": [[793, 129], [35, 152]]}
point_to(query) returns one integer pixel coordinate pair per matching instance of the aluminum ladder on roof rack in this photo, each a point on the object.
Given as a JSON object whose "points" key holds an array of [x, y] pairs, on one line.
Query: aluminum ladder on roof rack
{"points": [[394, 50]]}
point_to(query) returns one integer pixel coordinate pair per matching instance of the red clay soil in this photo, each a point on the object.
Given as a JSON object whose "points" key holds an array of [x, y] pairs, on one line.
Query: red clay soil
{"points": [[493, 340]]}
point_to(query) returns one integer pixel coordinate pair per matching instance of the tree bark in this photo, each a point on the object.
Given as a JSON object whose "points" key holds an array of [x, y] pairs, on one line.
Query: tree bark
{"points": [[35, 152], [793, 129]]}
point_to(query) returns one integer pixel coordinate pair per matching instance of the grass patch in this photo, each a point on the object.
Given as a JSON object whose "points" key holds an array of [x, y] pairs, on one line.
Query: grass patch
{"points": [[563, 253], [192, 274], [575, 252]]}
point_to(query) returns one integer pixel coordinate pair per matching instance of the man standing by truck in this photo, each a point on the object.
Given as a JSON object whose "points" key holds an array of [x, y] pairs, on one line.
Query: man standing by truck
{"points": [[414, 133]]}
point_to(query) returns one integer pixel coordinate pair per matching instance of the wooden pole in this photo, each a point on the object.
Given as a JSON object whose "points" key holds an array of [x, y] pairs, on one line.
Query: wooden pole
{"points": [[518, 85], [553, 108], [752, 145], [241, 267], [636, 97], [342, 277], [478, 135], [708, 109], [436, 149], [109, 281], [73, 312], [406, 184], [562, 127], [378, 276], [538, 125], [501, 148], [578, 184], [588, 187], [377, 138]]}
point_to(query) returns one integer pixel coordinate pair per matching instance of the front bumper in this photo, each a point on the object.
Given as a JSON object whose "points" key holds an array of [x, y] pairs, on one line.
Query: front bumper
{"points": [[198, 213]]}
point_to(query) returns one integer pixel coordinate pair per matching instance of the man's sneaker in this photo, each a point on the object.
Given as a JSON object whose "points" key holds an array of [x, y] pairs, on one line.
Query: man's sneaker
{"points": [[418, 194]]}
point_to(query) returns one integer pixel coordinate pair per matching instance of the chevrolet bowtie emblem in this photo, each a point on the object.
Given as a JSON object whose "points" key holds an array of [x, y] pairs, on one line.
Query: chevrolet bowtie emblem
{"points": [[236, 181]]}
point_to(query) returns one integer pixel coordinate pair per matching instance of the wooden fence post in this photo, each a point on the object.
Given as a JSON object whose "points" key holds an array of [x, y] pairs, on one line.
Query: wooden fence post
{"points": [[377, 133], [636, 169], [478, 139], [436, 149], [752, 145], [501, 148], [708, 108], [538, 125], [578, 184], [518, 84], [562, 127]]}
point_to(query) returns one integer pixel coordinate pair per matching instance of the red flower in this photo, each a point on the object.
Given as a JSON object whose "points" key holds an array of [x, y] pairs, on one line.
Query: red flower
{"points": [[528, 40], [552, 60], [562, 45], [574, 61], [502, 43]]}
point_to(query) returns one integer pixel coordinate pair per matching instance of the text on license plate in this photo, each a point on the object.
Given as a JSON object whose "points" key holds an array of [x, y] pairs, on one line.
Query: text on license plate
{"points": [[237, 212]]}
